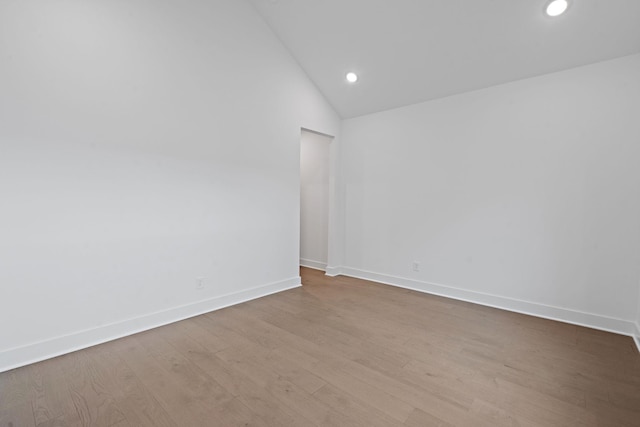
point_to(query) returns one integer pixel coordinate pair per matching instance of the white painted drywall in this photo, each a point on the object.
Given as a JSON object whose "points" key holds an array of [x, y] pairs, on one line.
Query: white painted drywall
{"points": [[526, 191], [637, 326], [314, 199], [142, 145], [638, 314]]}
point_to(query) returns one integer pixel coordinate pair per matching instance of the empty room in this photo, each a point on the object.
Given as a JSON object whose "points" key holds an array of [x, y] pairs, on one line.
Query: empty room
{"points": [[319, 213]]}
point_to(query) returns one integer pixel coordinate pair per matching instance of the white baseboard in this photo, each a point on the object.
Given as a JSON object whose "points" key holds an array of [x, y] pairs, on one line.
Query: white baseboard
{"points": [[333, 271], [575, 317], [316, 265], [636, 336], [42, 350]]}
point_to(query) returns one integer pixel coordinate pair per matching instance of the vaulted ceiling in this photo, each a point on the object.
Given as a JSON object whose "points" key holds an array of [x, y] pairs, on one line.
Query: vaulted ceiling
{"points": [[409, 51]]}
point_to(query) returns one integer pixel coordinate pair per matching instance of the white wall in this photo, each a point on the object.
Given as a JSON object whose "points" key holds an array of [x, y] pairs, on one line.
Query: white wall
{"points": [[523, 195], [638, 314], [637, 326], [314, 199], [143, 145]]}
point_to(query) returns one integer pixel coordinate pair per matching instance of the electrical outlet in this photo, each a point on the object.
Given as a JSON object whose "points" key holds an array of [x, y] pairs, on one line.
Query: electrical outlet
{"points": [[200, 283], [415, 266]]}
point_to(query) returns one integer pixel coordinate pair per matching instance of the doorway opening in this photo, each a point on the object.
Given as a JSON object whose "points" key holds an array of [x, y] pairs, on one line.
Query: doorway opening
{"points": [[314, 199]]}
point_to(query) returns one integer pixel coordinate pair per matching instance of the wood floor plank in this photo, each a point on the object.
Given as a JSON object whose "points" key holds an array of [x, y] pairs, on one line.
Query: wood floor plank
{"points": [[51, 401], [539, 407], [94, 401], [248, 385], [419, 418], [137, 403], [19, 415], [355, 379], [182, 371], [358, 411], [14, 388], [338, 352], [204, 356], [188, 404], [485, 412]]}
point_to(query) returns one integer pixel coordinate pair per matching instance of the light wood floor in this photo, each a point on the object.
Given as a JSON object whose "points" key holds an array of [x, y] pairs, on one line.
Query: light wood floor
{"points": [[338, 352]]}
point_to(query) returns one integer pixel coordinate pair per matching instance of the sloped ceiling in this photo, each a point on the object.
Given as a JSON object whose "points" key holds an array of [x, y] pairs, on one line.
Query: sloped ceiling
{"points": [[409, 51]]}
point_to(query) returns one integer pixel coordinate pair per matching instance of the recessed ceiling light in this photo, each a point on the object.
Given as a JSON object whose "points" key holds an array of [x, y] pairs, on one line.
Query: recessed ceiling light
{"points": [[352, 77], [557, 7]]}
